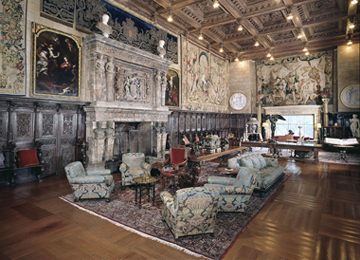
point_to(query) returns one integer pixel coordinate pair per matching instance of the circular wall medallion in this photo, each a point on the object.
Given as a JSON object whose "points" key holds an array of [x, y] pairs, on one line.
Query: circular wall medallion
{"points": [[238, 101], [350, 96]]}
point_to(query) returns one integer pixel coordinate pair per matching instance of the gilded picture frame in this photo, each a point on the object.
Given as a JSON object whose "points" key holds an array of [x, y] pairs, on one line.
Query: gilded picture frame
{"points": [[173, 89], [56, 63], [238, 101], [349, 96]]}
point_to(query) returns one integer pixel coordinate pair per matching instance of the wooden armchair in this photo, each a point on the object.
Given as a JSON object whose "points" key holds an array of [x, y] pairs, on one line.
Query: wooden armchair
{"points": [[173, 167]]}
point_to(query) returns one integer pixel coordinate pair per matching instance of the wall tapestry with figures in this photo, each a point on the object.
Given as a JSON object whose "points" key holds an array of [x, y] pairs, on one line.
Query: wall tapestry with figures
{"points": [[204, 80], [12, 47], [298, 80], [126, 28]]}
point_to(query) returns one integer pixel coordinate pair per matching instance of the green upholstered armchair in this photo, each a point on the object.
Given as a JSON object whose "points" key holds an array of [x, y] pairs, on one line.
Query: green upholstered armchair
{"points": [[234, 192], [133, 165], [90, 184], [190, 211]]}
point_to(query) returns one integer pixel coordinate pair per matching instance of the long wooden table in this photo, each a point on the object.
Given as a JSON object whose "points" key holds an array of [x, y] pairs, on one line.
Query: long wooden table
{"points": [[310, 147], [195, 160]]}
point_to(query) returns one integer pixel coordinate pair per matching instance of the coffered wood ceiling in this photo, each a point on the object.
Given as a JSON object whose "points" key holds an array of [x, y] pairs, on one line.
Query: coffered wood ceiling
{"points": [[324, 24]]}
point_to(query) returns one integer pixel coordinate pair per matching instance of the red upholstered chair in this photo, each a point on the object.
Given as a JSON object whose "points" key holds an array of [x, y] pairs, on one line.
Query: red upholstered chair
{"points": [[173, 168]]}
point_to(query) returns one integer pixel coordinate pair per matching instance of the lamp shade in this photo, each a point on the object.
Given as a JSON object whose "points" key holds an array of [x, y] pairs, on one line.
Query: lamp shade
{"points": [[253, 121]]}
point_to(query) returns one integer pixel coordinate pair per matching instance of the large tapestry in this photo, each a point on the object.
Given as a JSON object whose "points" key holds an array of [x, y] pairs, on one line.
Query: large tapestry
{"points": [[126, 27], [204, 80], [298, 80], [12, 47]]}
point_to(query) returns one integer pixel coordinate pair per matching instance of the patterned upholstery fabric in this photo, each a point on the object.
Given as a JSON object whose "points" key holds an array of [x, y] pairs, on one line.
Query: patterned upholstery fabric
{"points": [[133, 165], [234, 192], [92, 184], [268, 169], [190, 211]]}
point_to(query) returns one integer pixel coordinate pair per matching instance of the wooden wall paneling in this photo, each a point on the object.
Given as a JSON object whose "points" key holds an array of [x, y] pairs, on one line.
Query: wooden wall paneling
{"points": [[23, 125], [203, 122], [47, 134], [173, 128], [4, 118], [198, 124], [67, 135], [187, 123], [217, 122], [181, 126]]}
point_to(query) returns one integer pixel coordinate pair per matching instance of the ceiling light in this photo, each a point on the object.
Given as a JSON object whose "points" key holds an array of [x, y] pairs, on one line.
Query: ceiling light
{"points": [[236, 59], [170, 19], [201, 37], [299, 36], [305, 47], [271, 58], [352, 26], [216, 4], [240, 28], [290, 15], [307, 53], [348, 47], [268, 55], [256, 44], [349, 42], [354, 2], [221, 48]]}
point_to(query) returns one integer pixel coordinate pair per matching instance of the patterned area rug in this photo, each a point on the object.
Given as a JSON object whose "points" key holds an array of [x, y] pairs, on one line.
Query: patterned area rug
{"points": [[147, 222]]}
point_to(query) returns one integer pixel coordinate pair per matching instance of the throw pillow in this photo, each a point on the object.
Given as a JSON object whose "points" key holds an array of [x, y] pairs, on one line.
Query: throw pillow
{"points": [[262, 161], [255, 161], [246, 162], [27, 158]]}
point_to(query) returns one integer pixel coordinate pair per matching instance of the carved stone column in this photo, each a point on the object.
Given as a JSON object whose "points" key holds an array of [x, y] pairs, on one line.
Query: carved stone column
{"points": [[109, 67], [96, 147], [110, 138], [158, 93], [163, 87], [259, 118], [326, 111], [100, 81]]}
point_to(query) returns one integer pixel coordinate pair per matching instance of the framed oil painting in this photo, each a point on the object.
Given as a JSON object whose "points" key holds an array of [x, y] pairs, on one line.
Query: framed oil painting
{"points": [[56, 63], [350, 96], [173, 89]]}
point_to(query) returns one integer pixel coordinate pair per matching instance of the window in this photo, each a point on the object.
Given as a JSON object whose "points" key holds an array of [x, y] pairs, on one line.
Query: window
{"points": [[293, 123]]}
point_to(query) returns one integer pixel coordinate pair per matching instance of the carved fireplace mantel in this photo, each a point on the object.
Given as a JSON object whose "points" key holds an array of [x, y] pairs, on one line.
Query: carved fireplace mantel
{"points": [[124, 84]]}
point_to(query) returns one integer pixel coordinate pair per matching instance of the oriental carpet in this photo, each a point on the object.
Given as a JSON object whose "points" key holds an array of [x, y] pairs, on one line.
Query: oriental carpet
{"points": [[147, 222]]}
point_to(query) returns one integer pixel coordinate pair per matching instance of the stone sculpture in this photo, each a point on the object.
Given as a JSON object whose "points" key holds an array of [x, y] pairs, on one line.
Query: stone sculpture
{"points": [[104, 27], [161, 49]]}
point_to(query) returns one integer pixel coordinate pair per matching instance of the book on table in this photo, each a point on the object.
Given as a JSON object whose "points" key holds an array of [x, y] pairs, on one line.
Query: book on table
{"points": [[338, 141]]}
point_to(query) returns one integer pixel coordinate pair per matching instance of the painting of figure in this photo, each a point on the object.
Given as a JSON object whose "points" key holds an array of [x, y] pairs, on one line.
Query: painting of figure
{"points": [[172, 94], [56, 63]]}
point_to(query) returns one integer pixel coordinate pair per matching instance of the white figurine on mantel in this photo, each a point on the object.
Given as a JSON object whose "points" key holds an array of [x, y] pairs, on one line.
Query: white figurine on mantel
{"points": [[161, 49], [355, 126], [104, 27]]}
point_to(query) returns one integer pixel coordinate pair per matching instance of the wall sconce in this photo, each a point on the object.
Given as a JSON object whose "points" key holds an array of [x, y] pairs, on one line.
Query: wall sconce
{"points": [[216, 4]]}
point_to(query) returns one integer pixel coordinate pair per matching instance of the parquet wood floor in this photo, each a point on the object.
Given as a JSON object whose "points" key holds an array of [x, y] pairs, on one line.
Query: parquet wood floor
{"points": [[314, 215]]}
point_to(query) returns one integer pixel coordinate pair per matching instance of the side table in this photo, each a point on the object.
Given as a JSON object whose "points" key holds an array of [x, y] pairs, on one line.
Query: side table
{"points": [[146, 184]]}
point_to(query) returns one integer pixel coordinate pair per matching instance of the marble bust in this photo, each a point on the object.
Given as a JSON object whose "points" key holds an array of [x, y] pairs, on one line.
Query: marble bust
{"points": [[161, 49], [104, 27]]}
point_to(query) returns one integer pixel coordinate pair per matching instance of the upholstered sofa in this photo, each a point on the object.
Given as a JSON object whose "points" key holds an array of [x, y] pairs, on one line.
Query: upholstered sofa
{"points": [[267, 169], [133, 165], [235, 193], [190, 211], [90, 184]]}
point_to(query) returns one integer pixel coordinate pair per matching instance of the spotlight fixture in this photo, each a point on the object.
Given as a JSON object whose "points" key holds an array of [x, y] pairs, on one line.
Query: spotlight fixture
{"points": [[290, 15], [170, 19], [216, 4], [240, 28], [201, 35], [221, 48]]}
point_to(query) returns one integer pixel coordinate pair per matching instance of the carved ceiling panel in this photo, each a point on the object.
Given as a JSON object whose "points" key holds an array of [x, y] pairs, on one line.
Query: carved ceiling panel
{"points": [[323, 24]]}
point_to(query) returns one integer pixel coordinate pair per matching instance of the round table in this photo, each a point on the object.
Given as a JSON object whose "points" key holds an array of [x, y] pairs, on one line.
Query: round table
{"points": [[144, 183]]}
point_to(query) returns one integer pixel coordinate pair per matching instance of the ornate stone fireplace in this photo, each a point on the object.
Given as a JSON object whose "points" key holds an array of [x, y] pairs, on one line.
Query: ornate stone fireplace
{"points": [[126, 87]]}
